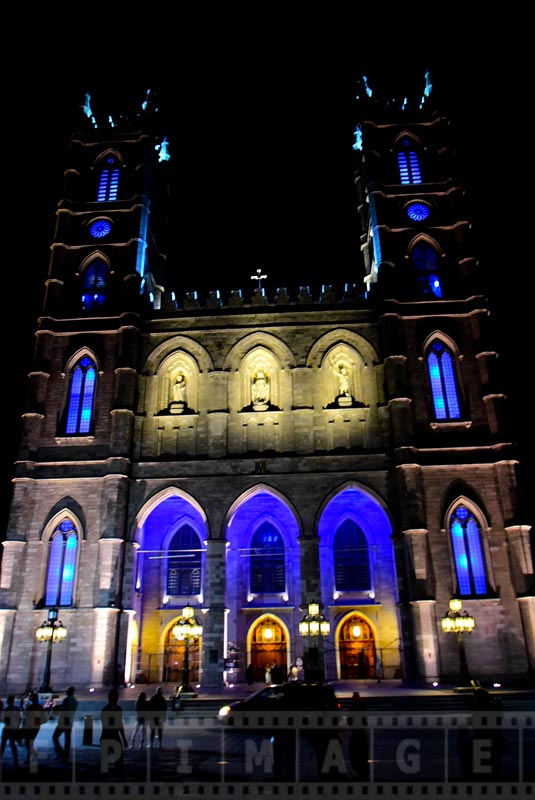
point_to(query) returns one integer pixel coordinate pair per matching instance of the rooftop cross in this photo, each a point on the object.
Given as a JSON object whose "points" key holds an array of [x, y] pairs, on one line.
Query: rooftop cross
{"points": [[258, 277]]}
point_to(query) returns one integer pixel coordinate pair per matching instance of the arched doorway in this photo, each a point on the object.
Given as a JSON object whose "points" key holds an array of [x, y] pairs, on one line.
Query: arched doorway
{"points": [[173, 664], [268, 647], [356, 644]]}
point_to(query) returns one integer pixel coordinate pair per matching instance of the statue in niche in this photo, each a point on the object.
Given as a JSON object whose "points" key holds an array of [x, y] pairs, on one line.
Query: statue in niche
{"points": [[178, 395], [260, 391], [343, 376]]}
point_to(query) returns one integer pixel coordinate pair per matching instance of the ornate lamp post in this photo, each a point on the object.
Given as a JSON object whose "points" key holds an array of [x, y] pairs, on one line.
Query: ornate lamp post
{"points": [[459, 622], [50, 632], [186, 629], [312, 626]]}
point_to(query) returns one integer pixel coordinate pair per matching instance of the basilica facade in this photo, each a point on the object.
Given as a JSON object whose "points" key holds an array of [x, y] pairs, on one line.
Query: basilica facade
{"points": [[257, 459]]}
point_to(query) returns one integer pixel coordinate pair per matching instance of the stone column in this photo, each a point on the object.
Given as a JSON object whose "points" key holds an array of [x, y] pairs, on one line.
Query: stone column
{"points": [[426, 639], [213, 621]]}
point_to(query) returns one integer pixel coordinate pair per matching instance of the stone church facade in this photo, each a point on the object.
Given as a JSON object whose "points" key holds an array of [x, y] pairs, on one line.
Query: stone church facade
{"points": [[250, 455]]}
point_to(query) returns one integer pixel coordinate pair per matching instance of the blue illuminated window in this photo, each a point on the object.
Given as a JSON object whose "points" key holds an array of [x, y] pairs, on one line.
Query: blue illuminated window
{"points": [[94, 284], [424, 261], [408, 163], [418, 212], [351, 558], [468, 553], [444, 389], [61, 570], [184, 563], [267, 562], [81, 397], [108, 184], [99, 228]]}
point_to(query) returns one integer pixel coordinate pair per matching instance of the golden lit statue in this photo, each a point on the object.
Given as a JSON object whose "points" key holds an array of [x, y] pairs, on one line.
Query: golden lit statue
{"points": [[179, 389], [344, 381], [260, 389]]}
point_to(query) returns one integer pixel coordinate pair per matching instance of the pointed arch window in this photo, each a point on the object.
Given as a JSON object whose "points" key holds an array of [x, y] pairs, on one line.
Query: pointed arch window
{"points": [[443, 381], [426, 270], [468, 553], [351, 558], [108, 184], [95, 278], [267, 561], [408, 163], [61, 568], [184, 562], [81, 397]]}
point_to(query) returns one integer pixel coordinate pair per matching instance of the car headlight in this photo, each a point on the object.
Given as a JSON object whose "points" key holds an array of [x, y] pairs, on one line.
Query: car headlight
{"points": [[223, 712]]}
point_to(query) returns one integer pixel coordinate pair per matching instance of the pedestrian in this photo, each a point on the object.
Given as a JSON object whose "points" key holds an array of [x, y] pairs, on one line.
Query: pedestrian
{"points": [[158, 716], [249, 675], [267, 676], [113, 737], [11, 730], [488, 739], [142, 720], [64, 725], [358, 749], [34, 717]]}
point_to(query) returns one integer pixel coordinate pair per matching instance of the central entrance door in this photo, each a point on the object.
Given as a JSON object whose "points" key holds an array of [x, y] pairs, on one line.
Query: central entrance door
{"points": [[268, 649], [357, 649], [173, 666]]}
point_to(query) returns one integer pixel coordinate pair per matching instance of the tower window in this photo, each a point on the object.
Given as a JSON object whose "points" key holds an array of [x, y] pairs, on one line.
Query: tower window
{"points": [[184, 563], [108, 184], [424, 261], [408, 163], [267, 563], [61, 565], [94, 284], [468, 553], [351, 558], [441, 370], [81, 397]]}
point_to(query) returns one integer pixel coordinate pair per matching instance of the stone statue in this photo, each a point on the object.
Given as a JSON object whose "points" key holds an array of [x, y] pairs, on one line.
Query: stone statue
{"points": [[260, 389], [344, 382], [179, 389]]}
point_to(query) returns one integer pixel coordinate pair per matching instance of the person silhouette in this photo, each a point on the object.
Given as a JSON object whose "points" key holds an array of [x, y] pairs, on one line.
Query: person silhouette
{"points": [[11, 730], [113, 737], [64, 725], [158, 716]]}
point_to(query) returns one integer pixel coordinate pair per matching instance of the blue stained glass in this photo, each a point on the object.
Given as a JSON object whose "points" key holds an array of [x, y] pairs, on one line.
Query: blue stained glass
{"points": [[267, 561], [468, 553], [184, 563], [81, 398], [351, 558], [443, 382], [61, 569]]}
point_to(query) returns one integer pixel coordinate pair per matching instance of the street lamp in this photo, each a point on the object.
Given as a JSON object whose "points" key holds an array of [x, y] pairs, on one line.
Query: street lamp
{"points": [[187, 628], [313, 625], [50, 632], [459, 622]]}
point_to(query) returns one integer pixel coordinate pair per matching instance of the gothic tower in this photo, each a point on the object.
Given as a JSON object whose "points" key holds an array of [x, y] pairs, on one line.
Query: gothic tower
{"points": [[265, 463]]}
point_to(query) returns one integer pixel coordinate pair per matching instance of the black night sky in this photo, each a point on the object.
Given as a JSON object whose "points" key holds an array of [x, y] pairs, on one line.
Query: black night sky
{"points": [[262, 111]]}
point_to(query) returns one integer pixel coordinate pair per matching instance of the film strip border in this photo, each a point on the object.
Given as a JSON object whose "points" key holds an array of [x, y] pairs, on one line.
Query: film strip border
{"points": [[273, 791]]}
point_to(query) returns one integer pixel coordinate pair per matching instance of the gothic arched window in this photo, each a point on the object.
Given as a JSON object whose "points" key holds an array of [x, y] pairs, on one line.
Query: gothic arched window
{"points": [[61, 569], [184, 562], [426, 270], [351, 558], [81, 397], [108, 183], [408, 163], [267, 561], [468, 553], [443, 382], [95, 277]]}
